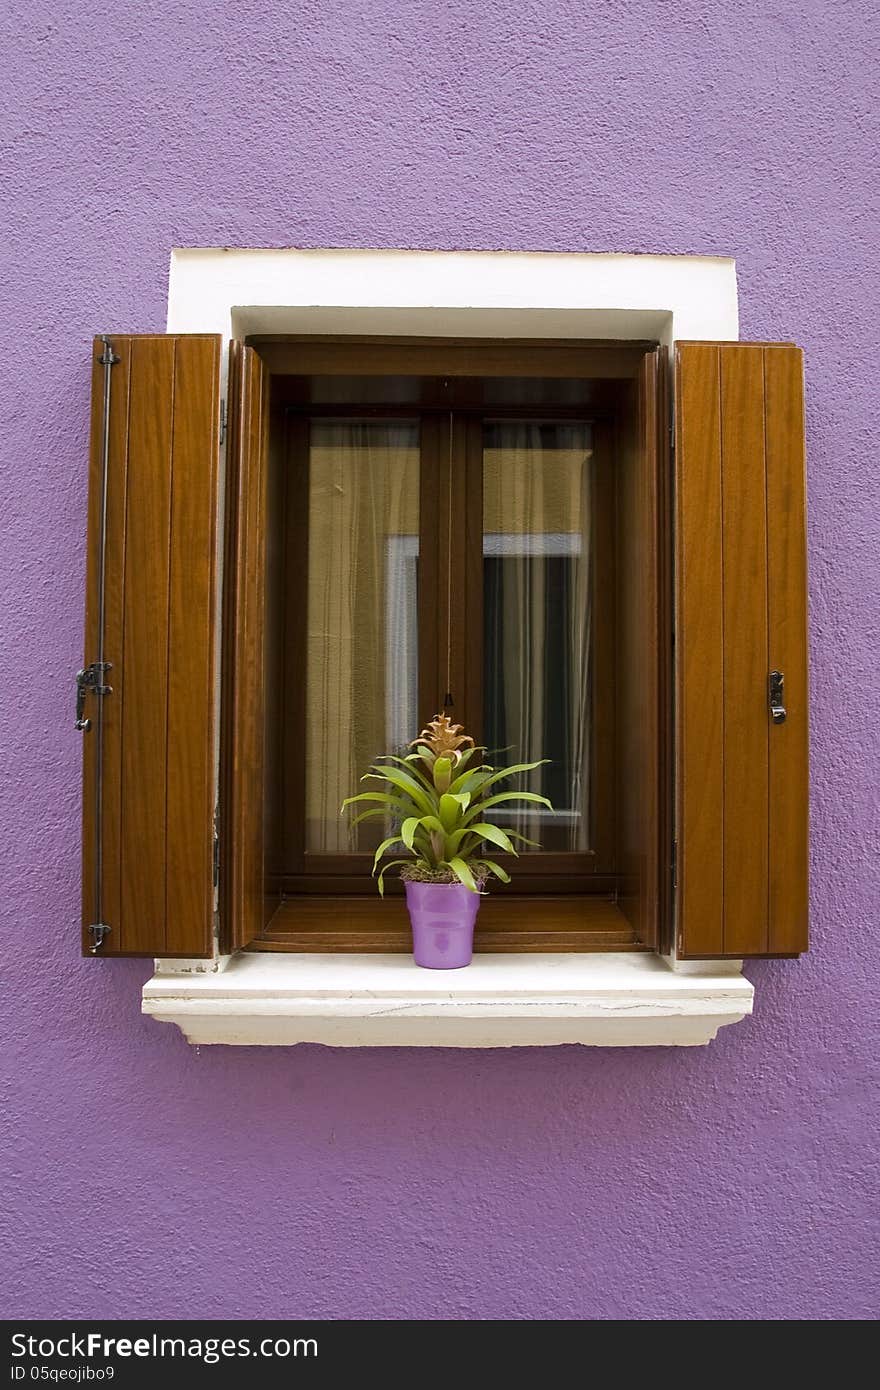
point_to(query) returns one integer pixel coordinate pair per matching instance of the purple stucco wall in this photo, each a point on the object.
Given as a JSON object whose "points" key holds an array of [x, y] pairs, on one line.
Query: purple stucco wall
{"points": [[149, 1179]]}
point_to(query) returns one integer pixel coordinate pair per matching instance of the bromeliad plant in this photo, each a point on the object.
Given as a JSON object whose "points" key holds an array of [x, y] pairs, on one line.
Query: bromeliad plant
{"points": [[440, 800]]}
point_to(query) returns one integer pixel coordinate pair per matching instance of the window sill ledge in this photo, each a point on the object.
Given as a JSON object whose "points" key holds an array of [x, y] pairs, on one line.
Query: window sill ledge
{"points": [[609, 1000]]}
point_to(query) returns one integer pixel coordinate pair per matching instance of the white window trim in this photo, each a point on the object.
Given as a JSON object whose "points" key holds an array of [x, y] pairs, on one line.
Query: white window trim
{"points": [[614, 999], [607, 1000]]}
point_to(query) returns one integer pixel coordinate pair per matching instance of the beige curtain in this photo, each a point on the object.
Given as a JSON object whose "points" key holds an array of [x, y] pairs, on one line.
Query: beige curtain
{"points": [[361, 672], [538, 609]]}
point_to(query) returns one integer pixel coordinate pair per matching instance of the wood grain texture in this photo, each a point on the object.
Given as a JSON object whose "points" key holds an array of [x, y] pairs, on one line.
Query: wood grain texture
{"points": [[191, 645], [740, 483], [448, 357], [242, 798], [665, 657], [275, 695], [699, 626], [788, 787], [145, 645], [159, 627], [293, 664], [504, 924], [744, 565], [637, 670]]}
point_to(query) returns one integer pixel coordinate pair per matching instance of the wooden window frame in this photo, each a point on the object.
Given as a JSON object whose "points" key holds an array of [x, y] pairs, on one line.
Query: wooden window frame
{"points": [[544, 908]]}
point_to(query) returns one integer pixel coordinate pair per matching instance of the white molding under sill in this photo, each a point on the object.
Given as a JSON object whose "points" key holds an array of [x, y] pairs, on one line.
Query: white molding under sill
{"points": [[618, 999]]}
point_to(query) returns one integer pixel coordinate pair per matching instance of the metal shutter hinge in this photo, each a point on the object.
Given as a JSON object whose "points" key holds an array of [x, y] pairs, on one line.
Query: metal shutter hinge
{"points": [[222, 421], [108, 357], [674, 864], [92, 677]]}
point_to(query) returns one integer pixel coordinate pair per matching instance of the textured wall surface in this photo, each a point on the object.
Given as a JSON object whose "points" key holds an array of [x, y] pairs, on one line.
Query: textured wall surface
{"points": [[147, 1179]]}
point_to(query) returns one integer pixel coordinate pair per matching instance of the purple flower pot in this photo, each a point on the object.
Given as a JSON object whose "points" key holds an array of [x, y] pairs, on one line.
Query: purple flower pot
{"points": [[442, 917]]}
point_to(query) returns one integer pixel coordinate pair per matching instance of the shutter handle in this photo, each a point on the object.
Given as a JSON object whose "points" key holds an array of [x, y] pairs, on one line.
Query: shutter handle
{"points": [[777, 696], [90, 678], [83, 725]]}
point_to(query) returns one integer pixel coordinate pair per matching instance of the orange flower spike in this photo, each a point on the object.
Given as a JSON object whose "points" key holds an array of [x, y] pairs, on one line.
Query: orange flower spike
{"points": [[442, 738]]}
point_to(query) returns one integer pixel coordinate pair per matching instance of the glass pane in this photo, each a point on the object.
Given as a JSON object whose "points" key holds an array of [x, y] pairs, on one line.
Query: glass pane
{"points": [[362, 614], [537, 618]]}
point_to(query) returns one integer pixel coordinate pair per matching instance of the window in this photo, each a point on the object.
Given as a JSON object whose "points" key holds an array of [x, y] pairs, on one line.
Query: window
{"points": [[451, 542], [482, 526]]}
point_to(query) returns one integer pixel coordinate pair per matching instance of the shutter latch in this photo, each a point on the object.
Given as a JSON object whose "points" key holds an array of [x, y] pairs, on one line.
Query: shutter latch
{"points": [[777, 697], [90, 678], [98, 931]]}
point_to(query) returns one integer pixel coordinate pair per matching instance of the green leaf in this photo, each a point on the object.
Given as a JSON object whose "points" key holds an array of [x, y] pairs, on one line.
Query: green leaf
{"points": [[370, 796], [442, 774], [410, 764], [472, 779], [387, 799], [463, 874], [524, 839], [494, 834], [407, 783], [450, 811], [433, 823], [512, 771], [408, 830], [453, 841], [386, 844], [496, 870], [378, 813], [483, 806], [465, 755], [390, 865]]}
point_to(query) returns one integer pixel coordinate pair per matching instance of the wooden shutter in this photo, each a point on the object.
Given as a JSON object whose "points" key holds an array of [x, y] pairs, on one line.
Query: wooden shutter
{"points": [[243, 906], [741, 813], [149, 748]]}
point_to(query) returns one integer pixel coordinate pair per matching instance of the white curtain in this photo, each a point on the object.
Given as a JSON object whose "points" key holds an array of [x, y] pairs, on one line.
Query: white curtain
{"points": [[538, 611], [361, 666]]}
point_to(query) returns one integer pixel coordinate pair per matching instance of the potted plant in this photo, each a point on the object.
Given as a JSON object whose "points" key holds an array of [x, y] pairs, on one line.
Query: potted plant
{"points": [[440, 799]]}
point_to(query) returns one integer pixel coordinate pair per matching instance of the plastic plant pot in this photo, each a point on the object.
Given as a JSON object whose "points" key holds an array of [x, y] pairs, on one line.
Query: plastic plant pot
{"points": [[442, 917]]}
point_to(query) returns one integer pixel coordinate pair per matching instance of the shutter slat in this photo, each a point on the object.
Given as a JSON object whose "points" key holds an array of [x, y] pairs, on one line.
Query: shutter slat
{"points": [[160, 608], [787, 649], [191, 675], [744, 574], [145, 646], [741, 612]]}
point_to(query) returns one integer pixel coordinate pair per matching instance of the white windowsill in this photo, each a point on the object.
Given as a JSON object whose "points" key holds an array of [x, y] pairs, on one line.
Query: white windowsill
{"points": [[602, 1000]]}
